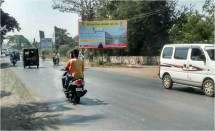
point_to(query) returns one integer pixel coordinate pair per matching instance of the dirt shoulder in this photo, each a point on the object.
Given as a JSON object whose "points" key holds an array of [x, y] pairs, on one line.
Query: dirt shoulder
{"points": [[19, 109], [147, 71]]}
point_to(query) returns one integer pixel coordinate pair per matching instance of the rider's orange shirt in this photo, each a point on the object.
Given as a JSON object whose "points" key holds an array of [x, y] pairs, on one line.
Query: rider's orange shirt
{"points": [[68, 66], [78, 67]]}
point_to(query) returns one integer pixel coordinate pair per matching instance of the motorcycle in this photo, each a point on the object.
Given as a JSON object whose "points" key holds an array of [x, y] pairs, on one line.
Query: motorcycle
{"points": [[13, 61], [56, 60], [75, 89], [43, 56]]}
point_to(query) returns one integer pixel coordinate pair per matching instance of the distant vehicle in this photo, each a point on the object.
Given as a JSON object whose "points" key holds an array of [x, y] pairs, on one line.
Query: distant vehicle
{"points": [[56, 58], [43, 56], [17, 55], [3, 51], [80, 56], [13, 58], [56, 61], [188, 64], [8, 52], [30, 57]]}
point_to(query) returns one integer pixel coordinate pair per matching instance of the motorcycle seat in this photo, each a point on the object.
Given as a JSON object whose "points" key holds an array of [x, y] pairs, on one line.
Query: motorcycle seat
{"points": [[74, 79]]}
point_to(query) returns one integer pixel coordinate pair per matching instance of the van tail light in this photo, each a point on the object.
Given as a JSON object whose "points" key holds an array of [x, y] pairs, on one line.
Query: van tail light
{"points": [[79, 82], [159, 65]]}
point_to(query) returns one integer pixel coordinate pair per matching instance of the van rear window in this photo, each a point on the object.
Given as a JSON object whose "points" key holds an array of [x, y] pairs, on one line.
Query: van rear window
{"points": [[181, 53], [167, 53]]}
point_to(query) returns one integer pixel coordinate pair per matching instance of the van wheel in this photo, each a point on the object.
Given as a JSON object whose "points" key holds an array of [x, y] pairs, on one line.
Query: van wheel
{"points": [[167, 82], [208, 88]]}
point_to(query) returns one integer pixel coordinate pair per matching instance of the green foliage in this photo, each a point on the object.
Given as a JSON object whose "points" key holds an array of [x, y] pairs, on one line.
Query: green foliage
{"points": [[209, 7], [18, 42], [71, 49], [195, 29], [63, 50], [85, 8], [62, 38], [148, 23], [151, 24], [47, 52], [8, 24]]}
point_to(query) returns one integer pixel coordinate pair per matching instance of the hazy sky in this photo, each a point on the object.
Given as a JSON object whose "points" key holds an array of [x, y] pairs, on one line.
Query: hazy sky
{"points": [[35, 15]]}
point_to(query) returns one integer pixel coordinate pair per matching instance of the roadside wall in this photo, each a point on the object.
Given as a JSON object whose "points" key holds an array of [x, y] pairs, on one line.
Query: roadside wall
{"points": [[132, 60]]}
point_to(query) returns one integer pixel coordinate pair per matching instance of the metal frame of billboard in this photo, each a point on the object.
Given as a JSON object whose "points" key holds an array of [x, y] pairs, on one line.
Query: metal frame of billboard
{"points": [[111, 48]]}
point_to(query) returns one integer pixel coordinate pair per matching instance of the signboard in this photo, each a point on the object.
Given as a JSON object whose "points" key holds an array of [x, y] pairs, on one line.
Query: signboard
{"points": [[103, 34], [42, 34], [46, 44]]}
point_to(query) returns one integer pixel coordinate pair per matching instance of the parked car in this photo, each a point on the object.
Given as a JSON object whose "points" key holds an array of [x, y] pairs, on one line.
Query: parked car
{"points": [[188, 64], [30, 57]]}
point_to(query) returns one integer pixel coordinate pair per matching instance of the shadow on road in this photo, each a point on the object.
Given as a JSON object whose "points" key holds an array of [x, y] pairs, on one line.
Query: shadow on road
{"points": [[4, 93], [189, 90], [91, 102], [4, 65], [34, 67], [31, 116], [41, 116], [80, 119]]}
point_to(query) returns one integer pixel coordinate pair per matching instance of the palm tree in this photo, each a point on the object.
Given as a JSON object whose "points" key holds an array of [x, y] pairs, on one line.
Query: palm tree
{"points": [[61, 37]]}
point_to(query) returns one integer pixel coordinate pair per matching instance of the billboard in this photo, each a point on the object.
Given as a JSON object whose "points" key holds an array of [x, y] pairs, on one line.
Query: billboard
{"points": [[46, 44], [42, 34], [104, 34]]}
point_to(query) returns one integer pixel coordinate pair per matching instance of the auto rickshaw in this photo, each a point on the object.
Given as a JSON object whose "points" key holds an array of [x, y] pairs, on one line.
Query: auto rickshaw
{"points": [[30, 57]]}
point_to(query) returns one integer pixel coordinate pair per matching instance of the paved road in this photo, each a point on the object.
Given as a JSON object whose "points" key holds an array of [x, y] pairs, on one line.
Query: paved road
{"points": [[116, 101], [116, 41]]}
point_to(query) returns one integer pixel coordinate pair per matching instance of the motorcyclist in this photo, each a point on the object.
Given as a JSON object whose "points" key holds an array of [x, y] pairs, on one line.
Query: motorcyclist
{"points": [[12, 56], [80, 56], [56, 56], [77, 65], [43, 55], [68, 76], [78, 68]]}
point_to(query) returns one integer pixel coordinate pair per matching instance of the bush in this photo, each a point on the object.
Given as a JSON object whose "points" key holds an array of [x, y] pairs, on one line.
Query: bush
{"points": [[47, 52], [68, 52], [63, 50]]}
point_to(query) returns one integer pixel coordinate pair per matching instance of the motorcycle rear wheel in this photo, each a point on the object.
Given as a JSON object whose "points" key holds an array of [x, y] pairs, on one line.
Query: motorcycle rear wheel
{"points": [[76, 99]]}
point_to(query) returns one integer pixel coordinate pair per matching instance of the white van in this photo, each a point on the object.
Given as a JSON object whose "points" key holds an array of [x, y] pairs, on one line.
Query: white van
{"points": [[188, 64]]}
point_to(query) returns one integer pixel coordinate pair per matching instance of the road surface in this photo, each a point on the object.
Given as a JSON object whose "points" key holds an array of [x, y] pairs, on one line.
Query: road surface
{"points": [[116, 101]]}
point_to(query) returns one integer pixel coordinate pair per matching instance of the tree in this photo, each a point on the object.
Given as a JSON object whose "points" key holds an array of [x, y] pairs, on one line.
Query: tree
{"points": [[148, 23], [18, 42], [62, 38], [209, 7], [84, 8], [195, 27], [8, 24]]}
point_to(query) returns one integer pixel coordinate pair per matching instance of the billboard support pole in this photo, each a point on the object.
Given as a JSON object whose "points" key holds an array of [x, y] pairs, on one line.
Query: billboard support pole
{"points": [[82, 51]]}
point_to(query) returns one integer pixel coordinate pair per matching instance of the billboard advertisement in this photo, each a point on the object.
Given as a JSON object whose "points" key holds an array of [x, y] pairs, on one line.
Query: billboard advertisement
{"points": [[104, 34], [46, 44], [42, 34]]}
